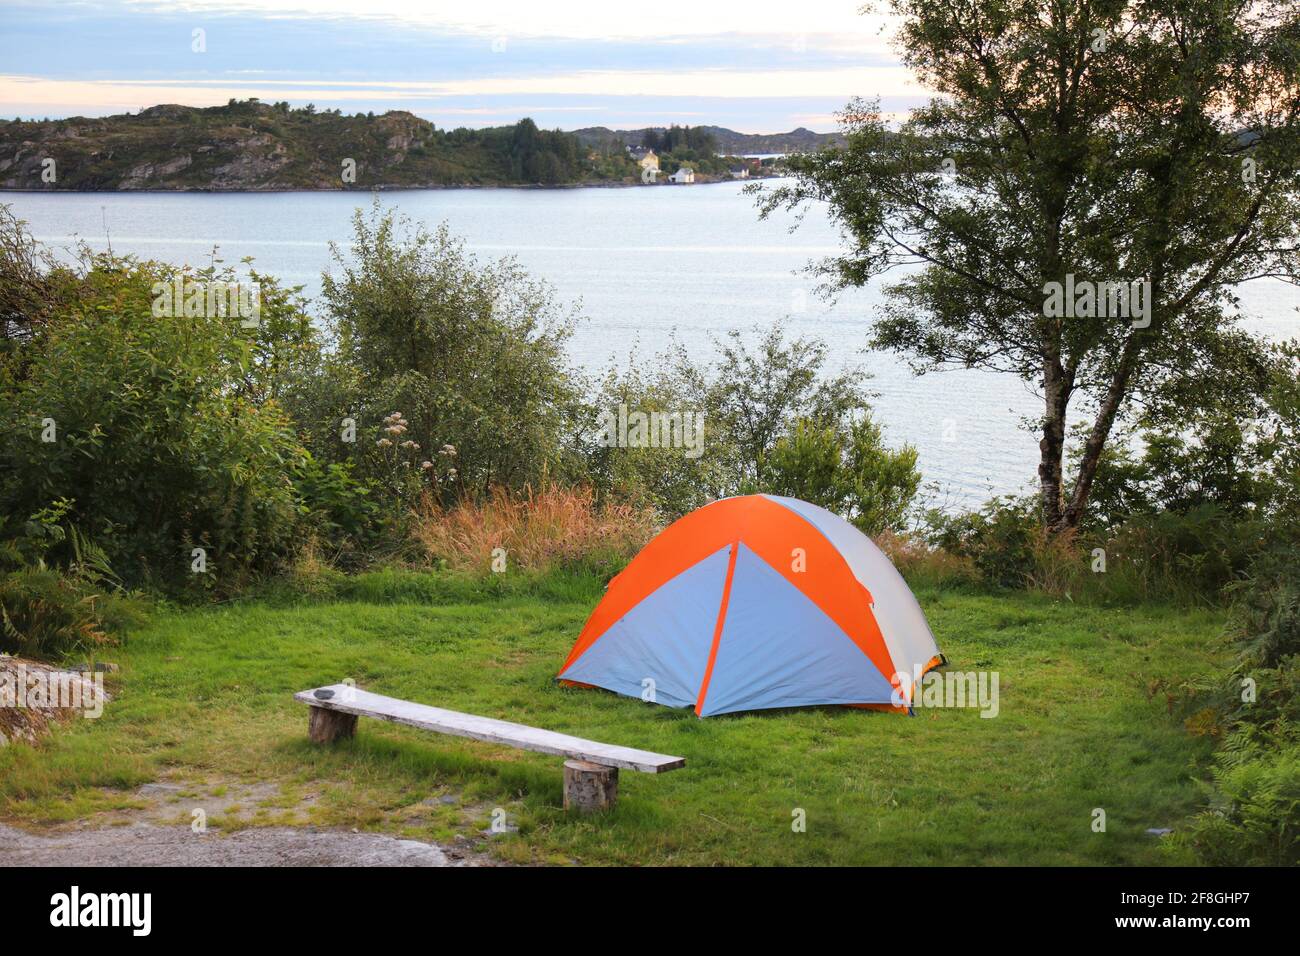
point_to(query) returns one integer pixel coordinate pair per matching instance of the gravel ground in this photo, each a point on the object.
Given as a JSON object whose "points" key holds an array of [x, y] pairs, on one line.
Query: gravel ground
{"points": [[144, 844]]}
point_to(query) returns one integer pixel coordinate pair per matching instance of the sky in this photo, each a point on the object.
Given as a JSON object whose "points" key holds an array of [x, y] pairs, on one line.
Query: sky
{"points": [[758, 66]]}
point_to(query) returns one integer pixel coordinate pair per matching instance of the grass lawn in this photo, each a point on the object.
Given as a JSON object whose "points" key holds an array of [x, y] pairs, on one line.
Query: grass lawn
{"points": [[205, 696]]}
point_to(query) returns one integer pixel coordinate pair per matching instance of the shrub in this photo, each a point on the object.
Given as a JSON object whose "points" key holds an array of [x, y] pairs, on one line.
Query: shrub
{"points": [[999, 539], [848, 471], [666, 479], [44, 613], [1005, 553], [336, 507], [1253, 815], [32, 289], [1061, 565], [773, 422], [164, 436], [1189, 557], [1268, 610], [752, 395], [472, 353]]}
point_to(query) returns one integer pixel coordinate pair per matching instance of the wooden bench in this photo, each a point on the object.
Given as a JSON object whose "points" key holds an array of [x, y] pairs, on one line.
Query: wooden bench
{"points": [[590, 770]]}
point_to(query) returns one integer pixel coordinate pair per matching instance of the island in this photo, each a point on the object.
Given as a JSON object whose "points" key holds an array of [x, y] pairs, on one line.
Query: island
{"points": [[248, 145]]}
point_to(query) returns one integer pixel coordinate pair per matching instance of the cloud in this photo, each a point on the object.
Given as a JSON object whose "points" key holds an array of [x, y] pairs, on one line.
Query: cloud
{"points": [[577, 19], [132, 94], [760, 66]]}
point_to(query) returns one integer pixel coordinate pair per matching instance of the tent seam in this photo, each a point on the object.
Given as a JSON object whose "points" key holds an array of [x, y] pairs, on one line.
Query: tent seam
{"points": [[717, 628]]}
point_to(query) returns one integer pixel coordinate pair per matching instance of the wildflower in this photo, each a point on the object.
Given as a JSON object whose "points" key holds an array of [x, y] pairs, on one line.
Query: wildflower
{"points": [[384, 443], [426, 465]]}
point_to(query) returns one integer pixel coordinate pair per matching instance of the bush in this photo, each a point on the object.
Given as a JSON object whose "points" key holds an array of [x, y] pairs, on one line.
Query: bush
{"points": [[32, 289], [1254, 814], [1000, 540], [849, 472], [471, 353], [1268, 610], [159, 430], [666, 479], [1223, 449], [773, 423], [45, 614], [1005, 551], [1186, 558], [1189, 557], [1254, 793], [336, 507], [923, 564]]}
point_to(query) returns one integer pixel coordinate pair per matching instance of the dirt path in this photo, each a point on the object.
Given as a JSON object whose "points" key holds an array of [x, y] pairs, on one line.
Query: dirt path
{"points": [[146, 844]]}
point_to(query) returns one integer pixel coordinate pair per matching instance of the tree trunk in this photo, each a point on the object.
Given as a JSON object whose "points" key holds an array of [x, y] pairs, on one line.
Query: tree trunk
{"points": [[1051, 446], [1096, 440], [1129, 361]]}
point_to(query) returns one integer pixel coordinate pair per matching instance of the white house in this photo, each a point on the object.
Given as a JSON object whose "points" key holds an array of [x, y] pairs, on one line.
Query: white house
{"points": [[684, 174], [740, 172], [645, 158]]}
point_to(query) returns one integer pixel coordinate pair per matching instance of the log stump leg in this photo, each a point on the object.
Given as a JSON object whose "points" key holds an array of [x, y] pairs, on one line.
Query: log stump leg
{"points": [[589, 787], [326, 726]]}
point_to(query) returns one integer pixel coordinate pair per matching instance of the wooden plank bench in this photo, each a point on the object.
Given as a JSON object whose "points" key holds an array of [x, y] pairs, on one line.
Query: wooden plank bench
{"points": [[590, 770]]}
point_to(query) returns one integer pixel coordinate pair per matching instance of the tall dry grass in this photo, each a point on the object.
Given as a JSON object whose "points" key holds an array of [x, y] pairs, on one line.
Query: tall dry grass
{"points": [[921, 564], [1061, 566], [540, 530]]}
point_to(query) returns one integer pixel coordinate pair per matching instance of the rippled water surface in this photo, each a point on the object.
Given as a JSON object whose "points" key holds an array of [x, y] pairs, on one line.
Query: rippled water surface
{"points": [[645, 262]]}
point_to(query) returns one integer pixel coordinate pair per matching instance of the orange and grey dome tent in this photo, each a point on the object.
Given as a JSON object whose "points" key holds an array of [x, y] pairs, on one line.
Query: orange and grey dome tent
{"points": [[752, 603]]}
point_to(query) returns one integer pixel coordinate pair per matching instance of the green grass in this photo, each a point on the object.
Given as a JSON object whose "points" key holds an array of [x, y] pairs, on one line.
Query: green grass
{"points": [[205, 695]]}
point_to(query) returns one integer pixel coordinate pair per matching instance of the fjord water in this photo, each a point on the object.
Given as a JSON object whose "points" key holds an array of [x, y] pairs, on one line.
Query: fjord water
{"points": [[647, 264]]}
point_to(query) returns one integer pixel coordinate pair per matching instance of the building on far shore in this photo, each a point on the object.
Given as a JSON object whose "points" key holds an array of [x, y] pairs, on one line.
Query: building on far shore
{"points": [[740, 172], [684, 174], [645, 158]]}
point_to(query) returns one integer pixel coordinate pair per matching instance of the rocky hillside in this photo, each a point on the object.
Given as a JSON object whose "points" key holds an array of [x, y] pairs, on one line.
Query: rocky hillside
{"points": [[250, 145]]}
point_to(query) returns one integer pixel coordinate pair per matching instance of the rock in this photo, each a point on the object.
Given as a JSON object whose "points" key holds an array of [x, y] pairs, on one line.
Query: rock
{"points": [[174, 165], [35, 696], [152, 845], [102, 667], [151, 789]]}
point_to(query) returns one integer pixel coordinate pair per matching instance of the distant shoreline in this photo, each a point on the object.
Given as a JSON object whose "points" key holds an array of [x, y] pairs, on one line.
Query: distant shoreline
{"points": [[384, 188], [254, 147]]}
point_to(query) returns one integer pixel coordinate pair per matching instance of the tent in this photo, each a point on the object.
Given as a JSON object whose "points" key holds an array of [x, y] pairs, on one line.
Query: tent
{"points": [[757, 602]]}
